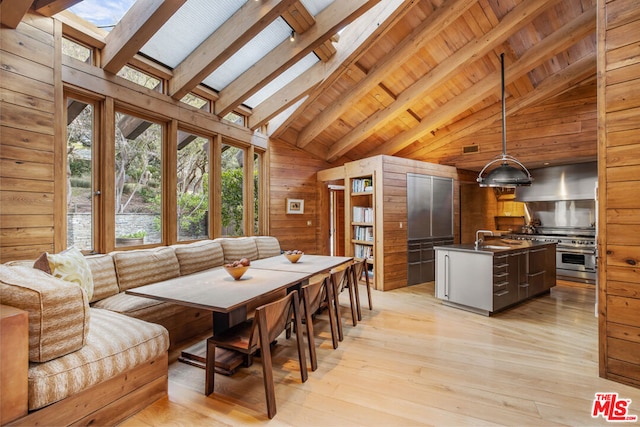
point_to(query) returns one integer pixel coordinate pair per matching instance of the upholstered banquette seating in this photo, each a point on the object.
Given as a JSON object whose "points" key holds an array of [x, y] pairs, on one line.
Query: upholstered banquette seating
{"points": [[95, 338]]}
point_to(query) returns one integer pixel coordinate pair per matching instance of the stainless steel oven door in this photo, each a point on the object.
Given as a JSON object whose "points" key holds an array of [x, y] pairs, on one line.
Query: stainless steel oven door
{"points": [[576, 262]]}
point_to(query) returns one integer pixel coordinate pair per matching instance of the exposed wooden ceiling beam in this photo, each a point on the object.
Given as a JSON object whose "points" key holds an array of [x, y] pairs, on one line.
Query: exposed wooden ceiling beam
{"points": [[51, 7], [352, 38], [325, 51], [244, 25], [552, 86], [354, 41], [81, 30], [576, 74], [568, 35], [430, 27], [328, 23], [516, 19], [484, 88], [135, 29], [12, 12], [285, 97], [298, 17]]}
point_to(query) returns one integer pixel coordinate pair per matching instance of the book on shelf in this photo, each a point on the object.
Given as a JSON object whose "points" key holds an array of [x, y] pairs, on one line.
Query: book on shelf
{"points": [[363, 233], [363, 251], [362, 185], [362, 214]]}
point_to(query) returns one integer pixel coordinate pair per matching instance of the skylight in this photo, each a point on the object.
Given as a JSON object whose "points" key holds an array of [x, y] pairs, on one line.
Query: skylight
{"points": [[102, 13], [277, 32], [282, 80], [192, 24]]}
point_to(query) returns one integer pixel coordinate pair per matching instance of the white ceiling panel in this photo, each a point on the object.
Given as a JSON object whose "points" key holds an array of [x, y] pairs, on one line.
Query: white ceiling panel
{"points": [[192, 24], [282, 80], [249, 54]]}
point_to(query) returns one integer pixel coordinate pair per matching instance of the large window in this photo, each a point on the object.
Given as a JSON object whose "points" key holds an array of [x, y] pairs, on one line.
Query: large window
{"points": [[126, 187], [257, 167], [192, 186], [138, 180], [232, 175], [81, 185]]}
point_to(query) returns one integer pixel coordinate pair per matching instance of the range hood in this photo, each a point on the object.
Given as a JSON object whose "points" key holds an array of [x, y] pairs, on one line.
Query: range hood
{"points": [[558, 183]]}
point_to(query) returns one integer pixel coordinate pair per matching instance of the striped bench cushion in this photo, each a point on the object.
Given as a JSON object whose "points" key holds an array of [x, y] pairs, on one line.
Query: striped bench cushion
{"points": [[236, 248], [268, 246], [131, 305], [143, 266], [198, 256], [115, 344], [105, 281], [58, 310]]}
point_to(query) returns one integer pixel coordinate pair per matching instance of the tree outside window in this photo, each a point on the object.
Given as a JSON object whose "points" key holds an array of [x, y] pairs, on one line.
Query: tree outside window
{"points": [[232, 174], [80, 182], [138, 179], [193, 187]]}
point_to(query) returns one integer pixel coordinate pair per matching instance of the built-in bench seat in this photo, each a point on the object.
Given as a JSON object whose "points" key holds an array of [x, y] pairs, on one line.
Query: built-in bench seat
{"points": [[103, 340]]}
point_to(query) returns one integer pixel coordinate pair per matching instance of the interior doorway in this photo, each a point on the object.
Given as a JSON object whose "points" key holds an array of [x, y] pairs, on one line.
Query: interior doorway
{"points": [[336, 220]]}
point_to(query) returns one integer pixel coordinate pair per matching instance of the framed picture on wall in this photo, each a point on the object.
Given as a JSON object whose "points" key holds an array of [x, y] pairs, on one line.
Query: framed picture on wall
{"points": [[295, 206]]}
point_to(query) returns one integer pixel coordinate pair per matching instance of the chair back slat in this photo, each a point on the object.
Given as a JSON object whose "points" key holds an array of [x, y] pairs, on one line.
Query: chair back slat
{"points": [[314, 295], [277, 315], [339, 279]]}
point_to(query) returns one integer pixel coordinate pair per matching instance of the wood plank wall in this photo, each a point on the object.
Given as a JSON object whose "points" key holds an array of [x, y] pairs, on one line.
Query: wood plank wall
{"points": [[563, 126], [27, 127], [619, 181], [293, 176]]}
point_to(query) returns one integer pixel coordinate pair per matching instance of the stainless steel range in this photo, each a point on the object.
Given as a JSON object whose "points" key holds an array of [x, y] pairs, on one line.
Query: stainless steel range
{"points": [[561, 207], [575, 253]]}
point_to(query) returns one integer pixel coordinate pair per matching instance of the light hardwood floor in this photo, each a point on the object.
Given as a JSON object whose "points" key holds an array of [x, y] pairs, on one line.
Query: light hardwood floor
{"points": [[412, 361]]}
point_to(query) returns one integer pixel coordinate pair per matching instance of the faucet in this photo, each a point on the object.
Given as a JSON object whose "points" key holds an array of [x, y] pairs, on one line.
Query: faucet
{"points": [[479, 241]]}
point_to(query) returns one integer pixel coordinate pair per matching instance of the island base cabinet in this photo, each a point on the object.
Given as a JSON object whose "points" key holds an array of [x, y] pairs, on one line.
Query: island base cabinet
{"points": [[465, 279], [485, 281]]}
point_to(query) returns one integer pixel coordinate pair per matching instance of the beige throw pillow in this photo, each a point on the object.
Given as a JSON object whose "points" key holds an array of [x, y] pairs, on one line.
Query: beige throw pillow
{"points": [[72, 266]]}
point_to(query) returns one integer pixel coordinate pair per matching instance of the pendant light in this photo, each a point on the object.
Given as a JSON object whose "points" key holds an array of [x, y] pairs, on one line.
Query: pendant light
{"points": [[505, 175]]}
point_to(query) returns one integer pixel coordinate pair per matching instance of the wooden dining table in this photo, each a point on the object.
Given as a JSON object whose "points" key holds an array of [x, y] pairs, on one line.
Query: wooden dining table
{"points": [[312, 264], [216, 291]]}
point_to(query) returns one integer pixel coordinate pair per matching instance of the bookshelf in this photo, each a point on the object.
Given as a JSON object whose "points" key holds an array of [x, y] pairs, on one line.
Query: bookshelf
{"points": [[362, 225]]}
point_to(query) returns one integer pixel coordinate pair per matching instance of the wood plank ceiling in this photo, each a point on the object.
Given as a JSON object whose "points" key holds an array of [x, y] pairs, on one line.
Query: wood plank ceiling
{"points": [[417, 79]]}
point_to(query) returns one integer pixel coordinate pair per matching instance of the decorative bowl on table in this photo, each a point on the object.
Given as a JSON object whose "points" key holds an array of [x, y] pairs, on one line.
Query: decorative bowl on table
{"points": [[293, 256], [237, 268]]}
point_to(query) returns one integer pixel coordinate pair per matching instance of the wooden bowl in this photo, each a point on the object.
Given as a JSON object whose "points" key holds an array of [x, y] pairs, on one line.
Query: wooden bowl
{"points": [[293, 257], [236, 272]]}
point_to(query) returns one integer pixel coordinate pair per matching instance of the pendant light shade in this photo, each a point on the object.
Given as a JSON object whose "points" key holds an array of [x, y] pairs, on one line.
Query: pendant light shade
{"points": [[504, 175]]}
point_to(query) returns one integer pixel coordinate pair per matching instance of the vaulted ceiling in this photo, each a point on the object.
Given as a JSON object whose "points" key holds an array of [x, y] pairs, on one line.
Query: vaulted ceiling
{"points": [[413, 78]]}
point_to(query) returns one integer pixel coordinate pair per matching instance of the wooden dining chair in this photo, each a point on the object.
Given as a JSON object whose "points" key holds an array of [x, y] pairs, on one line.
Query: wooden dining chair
{"points": [[269, 322], [340, 282], [358, 269], [314, 297]]}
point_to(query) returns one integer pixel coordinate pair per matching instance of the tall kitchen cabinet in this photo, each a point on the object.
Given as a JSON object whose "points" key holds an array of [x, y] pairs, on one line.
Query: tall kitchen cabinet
{"points": [[429, 223], [377, 211]]}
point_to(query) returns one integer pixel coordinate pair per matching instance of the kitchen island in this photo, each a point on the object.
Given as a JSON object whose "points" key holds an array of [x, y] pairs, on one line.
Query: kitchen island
{"points": [[496, 275]]}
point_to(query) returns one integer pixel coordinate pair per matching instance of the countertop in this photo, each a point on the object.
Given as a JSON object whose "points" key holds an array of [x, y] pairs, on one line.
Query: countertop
{"points": [[493, 246]]}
